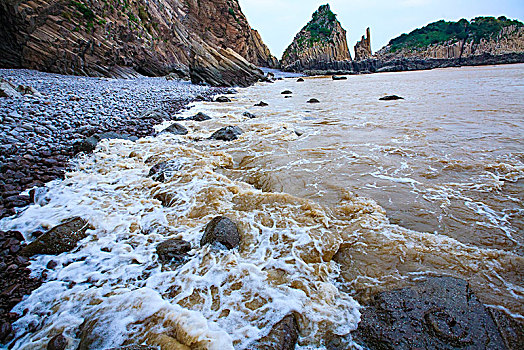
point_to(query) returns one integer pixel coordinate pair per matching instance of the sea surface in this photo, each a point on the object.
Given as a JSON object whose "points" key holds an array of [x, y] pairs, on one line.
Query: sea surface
{"points": [[335, 201]]}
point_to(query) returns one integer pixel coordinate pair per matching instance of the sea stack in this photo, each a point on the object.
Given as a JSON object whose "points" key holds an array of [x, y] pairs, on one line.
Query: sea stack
{"points": [[363, 47], [322, 40]]}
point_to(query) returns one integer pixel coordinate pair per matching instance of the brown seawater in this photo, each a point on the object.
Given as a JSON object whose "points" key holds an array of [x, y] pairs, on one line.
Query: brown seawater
{"points": [[372, 195]]}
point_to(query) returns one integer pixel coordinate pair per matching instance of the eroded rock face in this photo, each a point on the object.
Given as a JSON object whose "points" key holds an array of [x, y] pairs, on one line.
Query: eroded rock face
{"points": [[322, 40], [363, 47], [155, 38], [60, 239], [439, 313]]}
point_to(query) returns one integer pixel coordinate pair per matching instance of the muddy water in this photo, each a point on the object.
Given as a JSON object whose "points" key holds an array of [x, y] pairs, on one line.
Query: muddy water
{"points": [[372, 195]]}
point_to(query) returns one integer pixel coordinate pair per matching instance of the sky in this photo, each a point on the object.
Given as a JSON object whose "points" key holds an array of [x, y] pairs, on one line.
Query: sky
{"points": [[278, 21]]}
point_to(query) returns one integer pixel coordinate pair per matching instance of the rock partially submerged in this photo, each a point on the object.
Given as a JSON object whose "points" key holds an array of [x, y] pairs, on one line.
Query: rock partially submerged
{"points": [[60, 239], [283, 336], [313, 100], [173, 250], [335, 77], [89, 144], [222, 99], [221, 230], [163, 170], [261, 104], [391, 98], [200, 117], [228, 133], [286, 92], [300, 80], [176, 129], [249, 115], [439, 313]]}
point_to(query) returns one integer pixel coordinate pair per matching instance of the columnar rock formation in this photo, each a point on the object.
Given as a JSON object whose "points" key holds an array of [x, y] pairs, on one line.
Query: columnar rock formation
{"points": [[363, 47], [119, 38], [322, 40]]}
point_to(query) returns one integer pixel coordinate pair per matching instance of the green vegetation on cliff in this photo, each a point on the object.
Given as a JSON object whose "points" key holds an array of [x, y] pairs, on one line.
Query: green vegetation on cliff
{"points": [[442, 31]]}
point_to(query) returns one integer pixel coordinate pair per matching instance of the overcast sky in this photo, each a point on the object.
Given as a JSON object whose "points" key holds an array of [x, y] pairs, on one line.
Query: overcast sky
{"points": [[278, 21]]}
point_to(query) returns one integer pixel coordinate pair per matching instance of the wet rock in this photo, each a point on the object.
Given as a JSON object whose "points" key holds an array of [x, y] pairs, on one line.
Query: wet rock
{"points": [[249, 115], [58, 342], [222, 99], [175, 129], [163, 170], [439, 313], [334, 77], [286, 92], [261, 104], [228, 133], [300, 80], [313, 100], [283, 336], [391, 98], [173, 249], [221, 230], [86, 145], [199, 117], [60, 239]]}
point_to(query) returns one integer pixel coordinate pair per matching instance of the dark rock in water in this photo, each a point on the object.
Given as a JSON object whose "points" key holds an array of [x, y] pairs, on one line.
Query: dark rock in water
{"points": [[283, 336], [261, 104], [173, 249], [231, 92], [58, 342], [199, 117], [300, 80], [334, 77], [286, 92], [161, 171], [175, 129], [249, 115], [60, 239], [222, 99], [439, 313], [229, 133], [313, 100], [86, 145], [221, 230], [391, 98], [299, 133]]}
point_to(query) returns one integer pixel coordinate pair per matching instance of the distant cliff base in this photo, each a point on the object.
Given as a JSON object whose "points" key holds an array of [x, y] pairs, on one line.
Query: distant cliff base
{"points": [[409, 64]]}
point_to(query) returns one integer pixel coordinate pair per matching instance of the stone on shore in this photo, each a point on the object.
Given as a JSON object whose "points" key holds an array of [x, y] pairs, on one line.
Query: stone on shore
{"points": [[221, 230], [228, 133], [313, 100], [173, 250], [60, 239], [439, 313], [391, 98], [300, 80], [283, 336], [199, 117]]}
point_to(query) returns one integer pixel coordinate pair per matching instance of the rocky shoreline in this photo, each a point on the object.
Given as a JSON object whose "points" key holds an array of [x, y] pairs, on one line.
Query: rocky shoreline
{"points": [[43, 129], [374, 65]]}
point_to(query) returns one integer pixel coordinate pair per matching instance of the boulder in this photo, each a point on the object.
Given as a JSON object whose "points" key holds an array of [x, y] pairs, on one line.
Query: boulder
{"points": [[175, 129], [249, 115], [391, 98], [261, 104], [222, 99], [173, 250], [155, 114], [334, 77], [199, 117], [228, 133], [86, 145], [439, 313], [58, 342], [221, 230], [8, 90], [286, 92], [60, 239], [161, 171], [313, 100], [282, 336], [300, 80]]}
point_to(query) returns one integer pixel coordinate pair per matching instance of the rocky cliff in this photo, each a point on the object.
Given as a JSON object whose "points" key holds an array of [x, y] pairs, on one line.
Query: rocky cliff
{"points": [[363, 47], [458, 40], [210, 40], [322, 40]]}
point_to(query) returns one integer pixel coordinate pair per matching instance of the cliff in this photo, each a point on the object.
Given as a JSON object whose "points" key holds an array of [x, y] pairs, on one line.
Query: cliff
{"points": [[209, 40], [363, 47], [322, 40], [458, 40]]}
